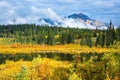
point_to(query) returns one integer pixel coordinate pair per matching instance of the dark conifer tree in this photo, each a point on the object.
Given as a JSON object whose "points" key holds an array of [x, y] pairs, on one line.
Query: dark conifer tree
{"points": [[70, 37], [50, 39], [63, 38], [83, 41], [110, 35], [118, 34], [103, 39], [41, 37], [89, 41], [100, 39]]}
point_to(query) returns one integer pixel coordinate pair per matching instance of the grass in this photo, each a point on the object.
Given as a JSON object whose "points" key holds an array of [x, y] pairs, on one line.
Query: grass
{"points": [[68, 48]]}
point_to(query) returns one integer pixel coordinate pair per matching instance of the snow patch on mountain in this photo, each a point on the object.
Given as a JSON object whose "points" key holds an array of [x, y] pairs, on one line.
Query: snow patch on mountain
{"points": [[77, 20]]}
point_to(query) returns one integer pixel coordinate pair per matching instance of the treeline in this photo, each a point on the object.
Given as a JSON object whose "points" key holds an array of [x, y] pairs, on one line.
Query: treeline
{"points": [[35, 34], [108, 37]]}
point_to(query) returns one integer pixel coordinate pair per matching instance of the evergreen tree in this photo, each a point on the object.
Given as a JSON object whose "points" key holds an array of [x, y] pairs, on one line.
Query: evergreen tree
{"points": [[63, 38], [89, 41], [70, 38], [100, 39], [41, 37], [110, 35], [118, 34], [103, 39], [83, 41], [50, 39]]}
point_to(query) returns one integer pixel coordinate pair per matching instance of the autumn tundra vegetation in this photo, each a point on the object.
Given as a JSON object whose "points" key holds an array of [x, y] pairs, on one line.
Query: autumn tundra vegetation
{"points": [[33, 52]]}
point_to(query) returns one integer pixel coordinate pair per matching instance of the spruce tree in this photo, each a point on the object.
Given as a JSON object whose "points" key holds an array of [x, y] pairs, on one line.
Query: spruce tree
{"points": [[100, 39], [89, 41], [103, 39], [70, 37], [118, 34], [83, 41], [50, 39], [110, 35], [41, 37], [63, 38]]}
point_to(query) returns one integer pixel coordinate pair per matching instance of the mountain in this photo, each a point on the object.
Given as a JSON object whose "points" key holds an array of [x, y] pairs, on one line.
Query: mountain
{"points": [[78, 20], [79, 15]]}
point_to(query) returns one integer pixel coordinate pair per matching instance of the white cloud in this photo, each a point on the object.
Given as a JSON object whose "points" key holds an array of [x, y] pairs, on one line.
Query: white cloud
{"points": [[34, 9], [76, 24], [10, 9], [3, 3], [46, 13], [18, 20], [6, 10], [51, 14]]}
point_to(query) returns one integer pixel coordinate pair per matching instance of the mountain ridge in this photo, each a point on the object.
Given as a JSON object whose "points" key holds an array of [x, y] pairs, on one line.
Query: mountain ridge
{"points": [[79, 15], [78, 20]]}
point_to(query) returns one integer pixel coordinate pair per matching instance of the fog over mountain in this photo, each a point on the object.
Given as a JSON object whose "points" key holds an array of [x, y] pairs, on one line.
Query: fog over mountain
{"points": [[77, 20]]}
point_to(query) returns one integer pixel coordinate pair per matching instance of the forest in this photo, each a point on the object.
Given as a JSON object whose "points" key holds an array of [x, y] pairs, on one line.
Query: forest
{"points": [[42, 52], [35, 34]]}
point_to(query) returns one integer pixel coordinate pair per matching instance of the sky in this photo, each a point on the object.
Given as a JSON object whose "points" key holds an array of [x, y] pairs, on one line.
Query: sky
{"points": [[29, 11]]}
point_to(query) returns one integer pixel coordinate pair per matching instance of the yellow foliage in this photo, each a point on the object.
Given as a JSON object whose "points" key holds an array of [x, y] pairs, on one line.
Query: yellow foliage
{"points": [[43, 68], [68, 48], [56, 36]]}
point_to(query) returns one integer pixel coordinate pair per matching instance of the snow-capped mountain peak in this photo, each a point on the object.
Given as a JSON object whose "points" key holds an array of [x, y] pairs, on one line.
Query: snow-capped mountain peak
{"points": [[79, 20], [79, 16]]}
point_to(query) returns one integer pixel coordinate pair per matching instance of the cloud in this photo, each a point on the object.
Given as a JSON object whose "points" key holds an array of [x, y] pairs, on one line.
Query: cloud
{"points": [[18, 20], [76, 24], [51, 14], [6, 10], [45, 13], [10, 9]]}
